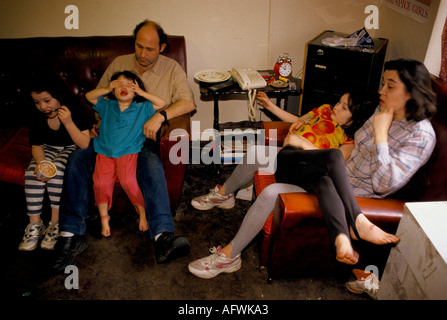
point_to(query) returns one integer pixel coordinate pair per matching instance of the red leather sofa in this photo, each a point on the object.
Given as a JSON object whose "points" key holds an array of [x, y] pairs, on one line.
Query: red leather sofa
{"points": [[295, 242], [80, 61]]}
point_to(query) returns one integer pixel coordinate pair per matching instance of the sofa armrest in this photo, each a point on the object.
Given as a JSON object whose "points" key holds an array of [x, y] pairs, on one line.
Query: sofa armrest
{"points": [[299, 241], [180, 122], [176, 130], [385, 213], [175, 139], [275, 132]]}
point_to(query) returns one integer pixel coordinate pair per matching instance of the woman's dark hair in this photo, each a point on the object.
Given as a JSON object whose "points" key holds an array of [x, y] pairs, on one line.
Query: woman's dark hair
{"points": [[161, 33], [130, 76], [362, 105], [416, 78]]}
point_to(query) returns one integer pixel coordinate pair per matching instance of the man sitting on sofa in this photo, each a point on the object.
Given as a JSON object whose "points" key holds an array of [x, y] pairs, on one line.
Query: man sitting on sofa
{"points": [[164, 77]]}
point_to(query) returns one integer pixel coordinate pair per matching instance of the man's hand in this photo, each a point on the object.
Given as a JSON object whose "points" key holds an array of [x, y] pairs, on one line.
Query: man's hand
{"points": [[152, 126]]}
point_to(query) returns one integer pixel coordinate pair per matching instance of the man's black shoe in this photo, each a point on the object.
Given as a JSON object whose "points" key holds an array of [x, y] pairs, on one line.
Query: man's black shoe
{"points": [[168, 247], [66, 250]]}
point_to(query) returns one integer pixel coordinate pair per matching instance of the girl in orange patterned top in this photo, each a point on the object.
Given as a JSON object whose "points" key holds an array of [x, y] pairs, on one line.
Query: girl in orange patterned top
{"points": [[321, 128], [325, 127]]}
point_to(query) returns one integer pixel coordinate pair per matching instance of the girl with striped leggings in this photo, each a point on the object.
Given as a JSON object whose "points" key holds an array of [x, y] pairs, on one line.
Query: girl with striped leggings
{"points": [[59, 125]]}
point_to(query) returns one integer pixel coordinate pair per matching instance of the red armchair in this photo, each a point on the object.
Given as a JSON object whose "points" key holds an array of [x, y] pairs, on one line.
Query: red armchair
{"points": [[80, 61], [295, 242]]}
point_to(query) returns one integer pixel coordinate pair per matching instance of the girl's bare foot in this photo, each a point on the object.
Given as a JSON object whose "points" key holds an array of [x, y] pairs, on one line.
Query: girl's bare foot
{"points": [[344, 251], [105, 227], [370, 232], [144, 226]]}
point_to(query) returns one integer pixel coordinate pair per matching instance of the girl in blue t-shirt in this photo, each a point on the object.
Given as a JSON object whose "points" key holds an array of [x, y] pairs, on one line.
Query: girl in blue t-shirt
{"points": [[123, 114]]}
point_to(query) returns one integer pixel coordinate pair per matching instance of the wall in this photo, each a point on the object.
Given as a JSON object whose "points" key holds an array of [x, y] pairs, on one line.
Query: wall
{"points": [[433, 56], [219, 34], [408, 37]]}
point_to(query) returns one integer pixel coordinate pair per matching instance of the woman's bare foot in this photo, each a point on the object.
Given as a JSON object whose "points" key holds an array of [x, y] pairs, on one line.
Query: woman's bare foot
{"points": [[344, 251], [105, 227], [372, 233]]}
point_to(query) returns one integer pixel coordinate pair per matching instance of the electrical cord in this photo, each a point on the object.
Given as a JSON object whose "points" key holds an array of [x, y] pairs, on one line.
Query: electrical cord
{"points": [[252, 104]]}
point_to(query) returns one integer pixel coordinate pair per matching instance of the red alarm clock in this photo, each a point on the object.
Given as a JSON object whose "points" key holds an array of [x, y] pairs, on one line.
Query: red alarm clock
{"points": [[283, 66]]}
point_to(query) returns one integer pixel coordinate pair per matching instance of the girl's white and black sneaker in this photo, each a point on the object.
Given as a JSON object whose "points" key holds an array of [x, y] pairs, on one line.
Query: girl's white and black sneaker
{"points": [[33, 232], [51, 235]]}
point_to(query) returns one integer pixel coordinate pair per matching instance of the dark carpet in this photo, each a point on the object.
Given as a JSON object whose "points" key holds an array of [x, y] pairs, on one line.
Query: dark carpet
{"points": [[123, 267]]}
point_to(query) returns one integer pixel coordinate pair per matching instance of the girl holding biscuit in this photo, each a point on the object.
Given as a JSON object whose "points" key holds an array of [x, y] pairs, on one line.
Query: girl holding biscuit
{"points": [[60, 124]]}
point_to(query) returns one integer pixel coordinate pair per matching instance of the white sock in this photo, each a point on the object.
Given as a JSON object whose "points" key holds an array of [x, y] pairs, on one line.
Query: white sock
{"points": [[157, 236], [66, 234]]}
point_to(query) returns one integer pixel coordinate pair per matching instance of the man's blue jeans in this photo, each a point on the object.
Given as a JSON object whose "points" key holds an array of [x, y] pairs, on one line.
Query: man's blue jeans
{"points": [[76, 191]]}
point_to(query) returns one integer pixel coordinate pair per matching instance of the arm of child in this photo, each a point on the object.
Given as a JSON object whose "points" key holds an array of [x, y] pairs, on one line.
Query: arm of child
{"points": [[80, 138], [38, 154], [95, 94], [299, 123], [92, 97], [158, 102], [264, 101]]}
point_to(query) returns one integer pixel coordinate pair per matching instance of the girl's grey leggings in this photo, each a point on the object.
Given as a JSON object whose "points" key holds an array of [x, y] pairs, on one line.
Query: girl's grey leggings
{"points": [[261, 158], [258, 213]]}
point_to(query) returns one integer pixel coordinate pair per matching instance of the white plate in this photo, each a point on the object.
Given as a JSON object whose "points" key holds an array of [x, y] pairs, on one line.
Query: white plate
{"points": [[212, 75]]}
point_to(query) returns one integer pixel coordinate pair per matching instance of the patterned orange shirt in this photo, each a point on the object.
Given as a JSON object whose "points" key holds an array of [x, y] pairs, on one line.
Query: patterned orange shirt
{"points": [[322, 131]]}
